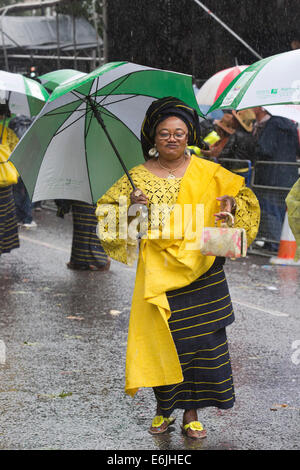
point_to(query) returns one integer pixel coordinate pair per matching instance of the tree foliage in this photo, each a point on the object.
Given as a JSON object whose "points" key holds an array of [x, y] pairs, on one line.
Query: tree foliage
{"points": [[83, 8], [4, 3]]}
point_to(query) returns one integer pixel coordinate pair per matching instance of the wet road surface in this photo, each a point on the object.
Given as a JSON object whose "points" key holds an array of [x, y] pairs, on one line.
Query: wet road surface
{"points": [[65, 332]]}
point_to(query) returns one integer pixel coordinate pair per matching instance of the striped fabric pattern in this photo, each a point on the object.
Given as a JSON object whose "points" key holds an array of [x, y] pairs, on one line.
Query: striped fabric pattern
{"points": [[86, 247], [200, 313], [9, 238]]}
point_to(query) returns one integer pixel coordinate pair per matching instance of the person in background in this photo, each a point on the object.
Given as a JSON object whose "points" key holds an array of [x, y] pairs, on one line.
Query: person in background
{"points": [[19, 124], [9, 237], [276, 140], [195, 85], [87, 253], [224, 127], [293, 207], [209, 136], [241, 144], [295, 41]]}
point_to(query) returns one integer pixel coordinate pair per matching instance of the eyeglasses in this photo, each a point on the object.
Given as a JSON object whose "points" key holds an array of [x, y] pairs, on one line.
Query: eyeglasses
{"points": [[178, 135]]}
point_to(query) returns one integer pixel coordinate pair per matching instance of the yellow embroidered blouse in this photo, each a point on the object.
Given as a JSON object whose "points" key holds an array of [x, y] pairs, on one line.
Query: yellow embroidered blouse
{"points": [[162, 191]]}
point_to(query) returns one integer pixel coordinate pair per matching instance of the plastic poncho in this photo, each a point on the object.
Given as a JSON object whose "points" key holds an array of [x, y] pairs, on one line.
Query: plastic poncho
{"points": [[293, 206]]}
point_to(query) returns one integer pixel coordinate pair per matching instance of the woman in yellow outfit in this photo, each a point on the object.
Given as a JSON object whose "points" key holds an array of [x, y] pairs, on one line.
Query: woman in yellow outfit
{"points": [[293, 207], [9, 236], [181, 304]]}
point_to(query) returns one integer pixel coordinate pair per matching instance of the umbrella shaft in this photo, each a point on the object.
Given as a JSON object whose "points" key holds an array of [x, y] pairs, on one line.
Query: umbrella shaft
{"points": [[227, 27], [101, 122]]}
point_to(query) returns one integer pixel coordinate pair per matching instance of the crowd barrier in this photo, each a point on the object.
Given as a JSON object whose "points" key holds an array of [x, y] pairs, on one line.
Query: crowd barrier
{"points": [[245, 169], [272, 203], [271, 199]]}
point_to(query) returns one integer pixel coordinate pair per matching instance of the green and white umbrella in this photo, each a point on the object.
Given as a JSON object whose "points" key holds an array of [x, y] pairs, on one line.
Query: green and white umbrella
{"points": [[88, 133], [55, 78], [271, 81], [23, 95]]}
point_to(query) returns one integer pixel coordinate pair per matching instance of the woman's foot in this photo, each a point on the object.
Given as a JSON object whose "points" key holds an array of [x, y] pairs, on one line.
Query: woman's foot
{"points": [[80, 267], [105, 267], [160, 424], [89, 267], [191, 427]]}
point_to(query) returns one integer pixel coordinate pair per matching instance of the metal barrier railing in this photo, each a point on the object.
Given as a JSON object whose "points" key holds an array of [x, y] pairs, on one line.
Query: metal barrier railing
{"points": [[245, 170], [272, 202]]}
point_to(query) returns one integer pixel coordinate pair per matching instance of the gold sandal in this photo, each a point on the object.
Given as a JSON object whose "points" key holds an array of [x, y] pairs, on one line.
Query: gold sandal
{"points": [[157, 423], [194, 426]]}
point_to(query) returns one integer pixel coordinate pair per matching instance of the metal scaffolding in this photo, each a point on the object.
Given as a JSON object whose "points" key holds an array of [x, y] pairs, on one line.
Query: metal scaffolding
{"points": [[97, 55]]}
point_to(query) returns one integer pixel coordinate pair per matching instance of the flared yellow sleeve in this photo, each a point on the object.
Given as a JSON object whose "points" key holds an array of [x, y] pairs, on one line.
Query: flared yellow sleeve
{"points": [[112, 209], [114, 221], [293, 207], [247, 214]]}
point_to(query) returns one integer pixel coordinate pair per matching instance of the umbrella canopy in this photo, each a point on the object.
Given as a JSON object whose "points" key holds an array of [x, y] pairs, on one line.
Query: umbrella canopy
{"points": [[273, 80], [23, 95], [70, 150], [289, 111], [216, 84], [53, 79]]}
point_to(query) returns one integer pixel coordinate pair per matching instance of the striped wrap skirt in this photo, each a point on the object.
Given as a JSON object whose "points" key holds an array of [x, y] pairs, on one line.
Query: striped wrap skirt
{"points": [[86, 246], [199, 314], [9, 237]]}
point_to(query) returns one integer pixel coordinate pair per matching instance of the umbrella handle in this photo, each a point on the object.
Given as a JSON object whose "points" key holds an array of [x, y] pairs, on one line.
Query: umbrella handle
{"points": [[101, 122]]}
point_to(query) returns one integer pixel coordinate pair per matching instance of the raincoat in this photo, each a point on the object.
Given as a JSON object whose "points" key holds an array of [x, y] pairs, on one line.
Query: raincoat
{"points": [[293, 206], [277, 141]]}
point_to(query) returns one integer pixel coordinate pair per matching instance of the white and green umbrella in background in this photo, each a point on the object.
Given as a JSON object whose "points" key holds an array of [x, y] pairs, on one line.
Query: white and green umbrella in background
{"points": [[55, 78], [271, 81], [23, 95], [88, 133]]}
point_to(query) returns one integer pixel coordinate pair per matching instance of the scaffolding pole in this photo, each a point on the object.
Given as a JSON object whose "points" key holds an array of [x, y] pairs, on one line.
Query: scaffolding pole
{"points": [[95, 19], [57, 38], [224, 25], [104, 23], [58, 57], [50, 57], [33, 5]]}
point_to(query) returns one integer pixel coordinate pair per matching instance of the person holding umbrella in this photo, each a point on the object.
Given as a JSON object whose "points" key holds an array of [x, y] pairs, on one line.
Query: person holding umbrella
{"points": [[19, 125], [181, 304], [87, 253], [293, 210], [225, 127], [9, 237], [276, 140], [240, 145]]}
